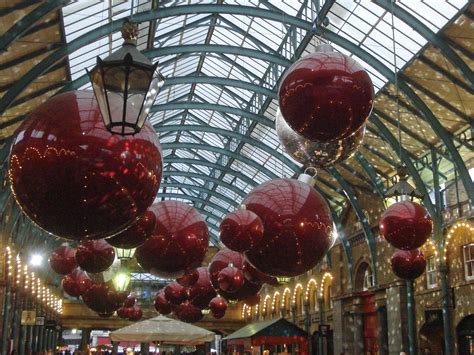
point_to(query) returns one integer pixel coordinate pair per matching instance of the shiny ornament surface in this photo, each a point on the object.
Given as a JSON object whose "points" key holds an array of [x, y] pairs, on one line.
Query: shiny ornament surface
{"points": [[175, 293], [218, 307], [221, 260], [252, 300], [95, 256], [314, 152], [189, 278], [63, 260], [326, 96], [76, 283], [129, 301], [406, 225], [123, 312], [247, 290], [96, 299], [230, 279], [408, 264], [188, 313], [76, 180], [162, 305], [251, 274], [136, 234], [298, 227], [135, 314], [117, 297], [241, 230], [179, 241], [201, 292]]}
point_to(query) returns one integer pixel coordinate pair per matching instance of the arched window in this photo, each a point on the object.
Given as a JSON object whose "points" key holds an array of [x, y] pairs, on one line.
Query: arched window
{"points": [[364, 279]]}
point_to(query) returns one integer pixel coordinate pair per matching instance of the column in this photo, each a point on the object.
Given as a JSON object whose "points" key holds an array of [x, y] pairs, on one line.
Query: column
{"points": [[6, 320], [115, 345], [321, 321], [55, 339], [338, 326], [382, 336], [307, 325], [85, 337], [396, 320], [16, 322], [446, 299], [47, 339], [293, 313], [358, 333], [144, 348], [411, 318], [40, 343]]}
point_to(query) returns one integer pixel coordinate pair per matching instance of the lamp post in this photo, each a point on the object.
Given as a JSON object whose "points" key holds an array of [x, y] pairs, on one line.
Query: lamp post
{"points": [[122, 278]]}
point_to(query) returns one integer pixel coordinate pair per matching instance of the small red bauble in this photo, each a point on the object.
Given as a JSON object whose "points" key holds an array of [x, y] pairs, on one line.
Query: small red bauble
{"points": [[63, 260], [188, 313], [297, 223], [218, 306], [201, 292], [326, 96], [75, 179], [76, 283], [249, 289], [96, 299], [123, 312], [408, 264], [175, 293], [162, 305], [221, 260], [179, 241], [136, 234], [230, 279], [130, 301], [135, 314], [189, 278], [95, 256], [252, 300], [406, 225], [241, 230]]}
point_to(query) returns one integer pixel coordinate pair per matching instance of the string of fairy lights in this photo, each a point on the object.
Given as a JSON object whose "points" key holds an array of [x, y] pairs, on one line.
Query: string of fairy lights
{"points": [[24, 280]]}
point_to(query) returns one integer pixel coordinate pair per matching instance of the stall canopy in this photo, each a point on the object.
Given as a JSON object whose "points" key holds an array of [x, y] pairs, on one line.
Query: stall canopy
{"points": [[275, 327], [165, 330]]}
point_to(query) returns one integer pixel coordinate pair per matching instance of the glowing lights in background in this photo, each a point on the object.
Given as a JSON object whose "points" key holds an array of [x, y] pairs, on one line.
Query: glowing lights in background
{"points": [[456, 226]]}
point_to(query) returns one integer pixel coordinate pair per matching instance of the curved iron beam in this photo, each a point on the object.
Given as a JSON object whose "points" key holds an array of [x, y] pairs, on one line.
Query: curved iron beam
{"points": [[195, 199]]}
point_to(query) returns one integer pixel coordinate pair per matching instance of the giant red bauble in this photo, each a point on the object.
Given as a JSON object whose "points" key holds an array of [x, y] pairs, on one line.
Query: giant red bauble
{"points": [[241, 230], [135, 314], [96, 298], [175, 293], [218, 306], [230, 279], [76, 283], [297, 223], [179, 241], [406, 225], [188, 313], [201, 292], [408, 264], [136, 234], [257, 277], [95, 256], [221, 260], [248, 289], [162, 305], [75, 179], [63, 260], [189, 278], [326, 96]]}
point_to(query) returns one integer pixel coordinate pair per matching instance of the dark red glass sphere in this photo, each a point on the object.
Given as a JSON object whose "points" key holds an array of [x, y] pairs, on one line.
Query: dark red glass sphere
{"points": [[252, 300], [162, 305], [189, 278], [63, 260], [76, 283], [75, 179], [257, 277], [117, 298], [175, 293], [135, 314], [241, 230], [230, 279], [136, 234], [186, 312], [95, 256], [218, 307], [96, 298], [406, 225], [130, 301], [201, 292], [123, 312], [298, 227], [326, 96], [248, 289], [179, 241], [408, 264], [221, 260]]}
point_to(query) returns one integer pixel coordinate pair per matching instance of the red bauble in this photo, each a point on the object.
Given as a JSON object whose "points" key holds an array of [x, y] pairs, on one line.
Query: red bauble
{"points": [[252, 300], [136, 234], [188, 313], [326, 96], [408, 264], [175, 293], [123, 312], [249, 289], [230, 279], [74, 178], [257, 277], [179, 241], [130, 301], [76, 283], [221, 260], [298, 227], [406, 225], [218, 306], [63, 260], [201, 292], [161, 304], [96, 298], [135, 314], [241, 230], [189, 278], [95, 255], [117, 298]]}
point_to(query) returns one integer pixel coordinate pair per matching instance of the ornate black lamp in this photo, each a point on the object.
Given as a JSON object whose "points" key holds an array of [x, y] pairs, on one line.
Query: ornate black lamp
{"points": [[402, 190], [125, 85], [122, 277]]}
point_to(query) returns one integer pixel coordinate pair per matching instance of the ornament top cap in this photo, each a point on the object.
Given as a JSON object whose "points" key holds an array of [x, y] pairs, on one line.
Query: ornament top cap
{"points": [[129, 32], [307, 177], [324, 47]]}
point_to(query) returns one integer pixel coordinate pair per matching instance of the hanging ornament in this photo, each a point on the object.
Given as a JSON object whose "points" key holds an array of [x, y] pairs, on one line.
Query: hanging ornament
{"points": [[247, 290], [63, 260], [408, 264], [218, 307], [257, 277], [201, 292], [95, 256], [314, 152], [179, 241], [175, 293], [188, 313], [406, 225], [230, 279], [136, 234], [96, 298], [241, 230], [297, 222], [221, 260], [135, 314], [117, 298], [189, 278], [162, 305], [326, 96], [76, 283], [130, 301], [123, 312], [76, 180]]}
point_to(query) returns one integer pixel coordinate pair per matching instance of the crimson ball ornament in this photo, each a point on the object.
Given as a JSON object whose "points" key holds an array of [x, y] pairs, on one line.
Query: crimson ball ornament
{"points": [[408, 264], [297, 223], [75, 179], [218, 307], [63, 260], [230, 279], [241, 230], [248, 289], [179, 241], [201, 292], [221, 260], [175, 293], [326, 96], [135, 314], [123, 312], [257, 277], [117, 298], [95, 256], [136, 234], [189, 278], [162, 305], [130, 301], [188, 313], [406, 225], [76, 283], [96, 298]]}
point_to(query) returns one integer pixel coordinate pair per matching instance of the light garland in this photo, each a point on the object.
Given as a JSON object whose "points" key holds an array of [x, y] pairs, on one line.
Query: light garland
{"points": [[283, 301], [264, 308], [452, 230], [323, 281], [308, 288], [297, 287], [275, 295]]}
